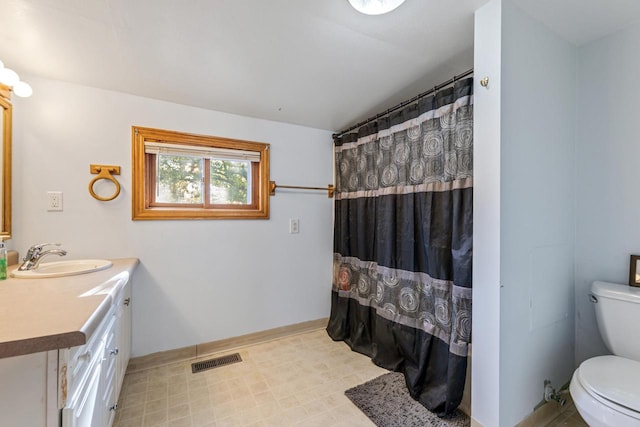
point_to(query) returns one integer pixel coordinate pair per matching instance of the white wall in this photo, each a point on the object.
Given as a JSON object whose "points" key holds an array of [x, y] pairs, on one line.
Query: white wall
{"points": [[535, 164], [485, 372], [537, 212], [198, 281], [608, 173]]}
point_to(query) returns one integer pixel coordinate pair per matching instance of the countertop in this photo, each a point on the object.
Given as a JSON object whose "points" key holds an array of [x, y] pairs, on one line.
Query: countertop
{"points": [[47, 314]]}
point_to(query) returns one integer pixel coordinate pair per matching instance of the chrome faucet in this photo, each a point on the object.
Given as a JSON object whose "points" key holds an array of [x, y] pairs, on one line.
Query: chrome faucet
{"points": [[35, 254]]}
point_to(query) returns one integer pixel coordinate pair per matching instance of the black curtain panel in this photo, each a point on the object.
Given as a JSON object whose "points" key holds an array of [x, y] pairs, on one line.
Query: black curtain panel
{"points": [[403, 243]]}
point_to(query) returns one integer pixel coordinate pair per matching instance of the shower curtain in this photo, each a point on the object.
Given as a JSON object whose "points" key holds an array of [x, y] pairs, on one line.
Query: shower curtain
{"points": [[403, 243]]}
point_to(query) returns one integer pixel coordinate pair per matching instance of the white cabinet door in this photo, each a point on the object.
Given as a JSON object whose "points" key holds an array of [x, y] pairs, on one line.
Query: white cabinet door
{"points": [[109, 369], [123, 333], [86, 410], [90, 399]]}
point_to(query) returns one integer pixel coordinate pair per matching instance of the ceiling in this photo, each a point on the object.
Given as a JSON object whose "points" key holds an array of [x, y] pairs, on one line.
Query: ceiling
{"points": [[316, 63]]}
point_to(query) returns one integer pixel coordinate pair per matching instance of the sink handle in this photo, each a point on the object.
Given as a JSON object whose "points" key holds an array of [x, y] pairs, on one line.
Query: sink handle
{"points": [[35, 249], [42, 245]]}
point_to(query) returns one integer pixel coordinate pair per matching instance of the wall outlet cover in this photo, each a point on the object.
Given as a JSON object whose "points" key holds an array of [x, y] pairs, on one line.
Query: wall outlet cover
{"points": [[54, 201]]}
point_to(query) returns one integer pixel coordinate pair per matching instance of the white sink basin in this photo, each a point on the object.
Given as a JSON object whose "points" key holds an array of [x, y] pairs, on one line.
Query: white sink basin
{"points": [[63, 268]]}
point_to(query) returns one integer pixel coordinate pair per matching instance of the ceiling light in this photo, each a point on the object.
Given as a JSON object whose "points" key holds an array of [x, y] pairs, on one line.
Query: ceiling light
{"points": [[375, 7]]}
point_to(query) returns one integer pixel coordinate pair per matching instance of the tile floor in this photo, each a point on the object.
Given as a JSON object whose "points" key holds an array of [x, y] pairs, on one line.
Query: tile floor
{"points": [[298, 380]]}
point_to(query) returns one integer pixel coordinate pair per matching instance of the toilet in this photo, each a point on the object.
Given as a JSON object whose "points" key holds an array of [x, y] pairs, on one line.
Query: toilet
{"points": [[606, 389]]}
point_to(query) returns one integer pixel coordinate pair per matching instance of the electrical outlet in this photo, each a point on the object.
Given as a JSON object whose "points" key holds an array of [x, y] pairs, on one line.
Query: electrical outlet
{"points": [[54, 200], [294, 226]]}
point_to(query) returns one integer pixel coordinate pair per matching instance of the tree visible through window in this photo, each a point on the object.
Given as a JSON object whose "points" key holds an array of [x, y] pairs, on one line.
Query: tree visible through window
{"points": [[179, 179], [229, 181], [192, 176]]}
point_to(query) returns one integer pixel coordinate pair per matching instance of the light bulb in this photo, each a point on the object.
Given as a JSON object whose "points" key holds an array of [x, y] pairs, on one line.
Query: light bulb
{"points": [[8, 77], [22, 89], [375, 7]]}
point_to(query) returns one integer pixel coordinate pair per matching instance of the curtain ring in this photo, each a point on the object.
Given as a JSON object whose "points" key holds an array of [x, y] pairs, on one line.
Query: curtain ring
{"points": [[104, 172]]}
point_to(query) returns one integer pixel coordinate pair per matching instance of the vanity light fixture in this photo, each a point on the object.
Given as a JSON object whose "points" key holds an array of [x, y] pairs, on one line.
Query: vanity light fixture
{"points": [[22, 89], [10, 78], [375, 7]]}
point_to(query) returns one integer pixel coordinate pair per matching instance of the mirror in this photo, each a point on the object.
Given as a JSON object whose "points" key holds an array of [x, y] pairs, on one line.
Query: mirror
{"points": [[5, 163]]}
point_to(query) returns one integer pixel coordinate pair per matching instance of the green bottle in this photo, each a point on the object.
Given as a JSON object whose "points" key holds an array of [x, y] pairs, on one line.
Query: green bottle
{"points": [[3, 261]]}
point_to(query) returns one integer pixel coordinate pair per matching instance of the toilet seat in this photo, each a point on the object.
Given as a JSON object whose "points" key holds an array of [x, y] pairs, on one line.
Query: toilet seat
{"points": [[604, 393], [614, 379]]}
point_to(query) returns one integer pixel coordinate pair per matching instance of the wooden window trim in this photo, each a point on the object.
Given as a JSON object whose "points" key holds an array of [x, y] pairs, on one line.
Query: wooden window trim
{"points": [[144, 173]]}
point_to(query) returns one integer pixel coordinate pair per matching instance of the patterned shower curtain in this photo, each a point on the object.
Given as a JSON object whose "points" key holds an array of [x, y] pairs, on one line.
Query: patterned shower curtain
{"points": [[403, 244]]}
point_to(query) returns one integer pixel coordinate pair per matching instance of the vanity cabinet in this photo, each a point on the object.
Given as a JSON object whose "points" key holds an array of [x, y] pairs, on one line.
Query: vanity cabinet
{"points": [[93, 373], [72, 387]]}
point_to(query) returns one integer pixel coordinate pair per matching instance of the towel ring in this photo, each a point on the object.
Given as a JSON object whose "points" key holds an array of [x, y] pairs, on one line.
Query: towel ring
{"points": [[104, 172]]}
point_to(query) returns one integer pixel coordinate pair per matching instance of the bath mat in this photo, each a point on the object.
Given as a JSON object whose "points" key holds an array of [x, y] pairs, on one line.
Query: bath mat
{"points": [[386, 401]]}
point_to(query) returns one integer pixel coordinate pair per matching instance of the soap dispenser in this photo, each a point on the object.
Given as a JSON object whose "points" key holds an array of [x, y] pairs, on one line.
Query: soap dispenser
{"points": [[3, 261]]}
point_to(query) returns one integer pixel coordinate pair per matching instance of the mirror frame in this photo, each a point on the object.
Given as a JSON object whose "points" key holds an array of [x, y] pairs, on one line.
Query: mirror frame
{"points": [[7, 112]]}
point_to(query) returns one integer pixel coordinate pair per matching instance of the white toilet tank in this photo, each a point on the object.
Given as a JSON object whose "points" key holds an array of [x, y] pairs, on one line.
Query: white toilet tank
{"points": [[618, 315]]}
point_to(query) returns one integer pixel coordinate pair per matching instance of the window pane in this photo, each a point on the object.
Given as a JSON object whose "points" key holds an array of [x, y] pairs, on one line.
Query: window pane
{"points": [[230, 182], [179, 179]]}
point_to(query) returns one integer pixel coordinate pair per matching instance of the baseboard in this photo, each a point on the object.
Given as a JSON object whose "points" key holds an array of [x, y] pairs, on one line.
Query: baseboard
{"points": [[475, 423], [161, 358], [203, 349]]}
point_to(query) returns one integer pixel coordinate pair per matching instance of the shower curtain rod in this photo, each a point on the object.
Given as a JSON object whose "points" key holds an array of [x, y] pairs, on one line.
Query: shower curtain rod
{"points": [[404, 103]]}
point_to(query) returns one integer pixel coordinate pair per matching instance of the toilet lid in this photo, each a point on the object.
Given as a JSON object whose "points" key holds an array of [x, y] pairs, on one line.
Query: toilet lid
{"points": [[613, 378]]}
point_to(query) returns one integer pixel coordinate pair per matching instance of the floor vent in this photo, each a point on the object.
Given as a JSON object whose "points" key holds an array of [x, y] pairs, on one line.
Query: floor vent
{"points": [[215, 363]]}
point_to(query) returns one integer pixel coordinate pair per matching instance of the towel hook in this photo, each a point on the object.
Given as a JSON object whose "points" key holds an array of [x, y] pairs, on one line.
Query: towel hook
{"points": [[104, 172]]}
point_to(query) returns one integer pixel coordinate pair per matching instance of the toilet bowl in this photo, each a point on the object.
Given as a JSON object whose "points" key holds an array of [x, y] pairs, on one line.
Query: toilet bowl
{"points": [[606, 389], [606, 393]]}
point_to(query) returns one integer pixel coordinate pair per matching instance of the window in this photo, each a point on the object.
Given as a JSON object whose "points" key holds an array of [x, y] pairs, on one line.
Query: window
{"points": [[183, 176]]}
